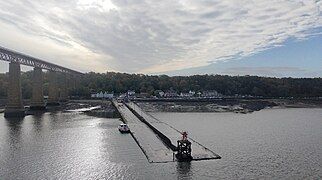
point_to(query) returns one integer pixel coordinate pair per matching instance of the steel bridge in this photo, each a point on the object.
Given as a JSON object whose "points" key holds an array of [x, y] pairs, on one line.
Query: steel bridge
{"points": [[57, 91], [13, 56]]}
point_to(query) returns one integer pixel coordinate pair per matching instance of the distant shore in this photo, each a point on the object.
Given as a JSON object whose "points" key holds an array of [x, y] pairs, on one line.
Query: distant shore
{"points": [[227, 105], [104, 107], [236, 105]]}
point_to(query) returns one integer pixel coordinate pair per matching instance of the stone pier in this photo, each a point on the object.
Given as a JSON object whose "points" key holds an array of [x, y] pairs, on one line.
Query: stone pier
{"points": [[75, 82], [53, 90], [70, 82], [14, 106], [37, 99], [63, 96]]}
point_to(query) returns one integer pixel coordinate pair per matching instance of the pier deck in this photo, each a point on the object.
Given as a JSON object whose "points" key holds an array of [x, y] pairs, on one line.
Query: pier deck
{"points": [[150, 144], [199, 152]]}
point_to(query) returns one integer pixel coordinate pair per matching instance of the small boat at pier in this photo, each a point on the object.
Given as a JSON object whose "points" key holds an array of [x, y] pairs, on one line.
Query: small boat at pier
{"points": [[123, 128]]}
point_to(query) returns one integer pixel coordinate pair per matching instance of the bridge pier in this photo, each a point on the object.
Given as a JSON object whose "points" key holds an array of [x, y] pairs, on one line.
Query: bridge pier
{"points": [[14, 107], [14, 91], [37, 99], [75, 82], [70, 82], [63, 89], [74, 85], [53, 90]]}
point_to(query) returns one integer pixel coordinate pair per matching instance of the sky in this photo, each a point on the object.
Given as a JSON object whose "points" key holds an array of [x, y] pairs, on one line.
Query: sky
{"points": [[279, 38]]}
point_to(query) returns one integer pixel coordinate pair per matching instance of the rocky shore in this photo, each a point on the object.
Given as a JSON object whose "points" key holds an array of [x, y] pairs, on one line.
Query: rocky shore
{"points": [[102, 108], [97, 108], [237, 105]]}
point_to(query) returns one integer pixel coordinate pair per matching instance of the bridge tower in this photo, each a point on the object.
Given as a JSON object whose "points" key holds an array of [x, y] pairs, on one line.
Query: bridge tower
{"points": [[37, 99], [14, 107]]}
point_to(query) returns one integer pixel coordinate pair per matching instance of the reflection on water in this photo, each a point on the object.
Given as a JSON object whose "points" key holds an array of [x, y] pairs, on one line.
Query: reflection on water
{"points": [[38, 120], [184, 170], [14, 134], [14, 124], [267, 144]]}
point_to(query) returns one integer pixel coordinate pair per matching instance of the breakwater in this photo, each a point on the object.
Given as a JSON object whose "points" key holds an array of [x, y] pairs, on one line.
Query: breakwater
{"points": [[163, 137], [149, 132]]}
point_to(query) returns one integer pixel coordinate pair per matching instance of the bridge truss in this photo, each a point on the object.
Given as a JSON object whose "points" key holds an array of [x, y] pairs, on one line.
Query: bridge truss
{"points": [[13, 56]]}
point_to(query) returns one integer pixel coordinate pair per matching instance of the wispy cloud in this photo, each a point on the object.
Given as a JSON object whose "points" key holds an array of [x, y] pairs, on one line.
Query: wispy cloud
{"points": [[264, 71], [146, 36]]}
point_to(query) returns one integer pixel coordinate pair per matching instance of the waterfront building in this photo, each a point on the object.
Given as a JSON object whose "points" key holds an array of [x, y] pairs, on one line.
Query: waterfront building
{"points": [[130, 92], [211, 94], [102, 95], [159, 93], [171, 94]]}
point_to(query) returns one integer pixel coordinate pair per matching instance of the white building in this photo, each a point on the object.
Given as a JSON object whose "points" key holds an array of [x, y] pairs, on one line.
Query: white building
{"points": [[102, 95], [130, 93], [192, 92], [211, 94], [186, 95], [108, 95], [171, 94], [189, 94], [159, 93]]}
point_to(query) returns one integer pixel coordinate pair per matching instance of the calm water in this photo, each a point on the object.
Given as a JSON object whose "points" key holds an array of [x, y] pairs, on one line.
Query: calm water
{"points": [[276, 143]]}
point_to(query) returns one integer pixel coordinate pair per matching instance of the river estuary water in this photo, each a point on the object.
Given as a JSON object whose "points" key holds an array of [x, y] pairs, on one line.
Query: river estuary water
{"points": [[268, 144]]}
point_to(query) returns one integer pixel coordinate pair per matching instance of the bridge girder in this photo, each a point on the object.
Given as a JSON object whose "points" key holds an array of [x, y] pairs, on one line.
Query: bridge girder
{"points": [[13, 56]]}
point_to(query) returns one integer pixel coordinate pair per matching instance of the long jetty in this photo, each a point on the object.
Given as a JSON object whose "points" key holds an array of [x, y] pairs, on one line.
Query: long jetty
{"points": [[157, 139], [154, 149]]}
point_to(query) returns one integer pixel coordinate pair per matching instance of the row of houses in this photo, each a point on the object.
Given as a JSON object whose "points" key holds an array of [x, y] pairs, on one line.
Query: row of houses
{"points": [[105, 95], [190, 94], [160, 94], [173, 94]]}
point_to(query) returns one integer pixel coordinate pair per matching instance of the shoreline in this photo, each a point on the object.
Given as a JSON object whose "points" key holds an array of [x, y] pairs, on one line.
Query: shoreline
{"points": [[234, 105], [188, 105]]}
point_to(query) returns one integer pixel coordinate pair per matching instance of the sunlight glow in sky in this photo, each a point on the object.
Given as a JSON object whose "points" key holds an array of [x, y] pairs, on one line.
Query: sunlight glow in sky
{"points": [[141, 36]]}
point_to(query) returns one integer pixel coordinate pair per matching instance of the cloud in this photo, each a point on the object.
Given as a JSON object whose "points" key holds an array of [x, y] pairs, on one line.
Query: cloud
{"points": [[265, 71], [158, 36]]}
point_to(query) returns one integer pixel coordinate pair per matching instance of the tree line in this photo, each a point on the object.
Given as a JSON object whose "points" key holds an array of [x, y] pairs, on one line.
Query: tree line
{"points": [[224, 84]]}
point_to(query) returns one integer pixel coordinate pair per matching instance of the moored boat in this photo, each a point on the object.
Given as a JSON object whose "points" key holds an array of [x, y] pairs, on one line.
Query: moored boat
{"points": [[123, 128]]}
